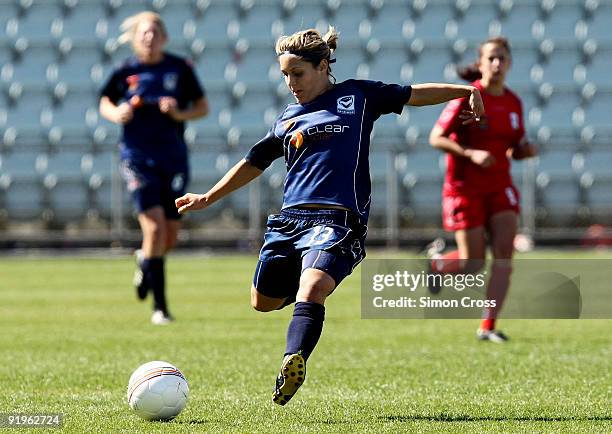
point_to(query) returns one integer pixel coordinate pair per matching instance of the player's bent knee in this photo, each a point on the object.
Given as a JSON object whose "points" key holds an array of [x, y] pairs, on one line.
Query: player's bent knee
{"points": [[262, 303], [315, 286]]}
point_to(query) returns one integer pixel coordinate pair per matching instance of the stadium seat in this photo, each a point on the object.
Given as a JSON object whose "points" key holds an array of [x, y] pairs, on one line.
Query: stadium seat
{"points": [[82, 23], [599, 27], [421, 179], [432, 65], [249, 114], [31, 68], [258, 25], [558, 114], [559, 70], [431, 24], [24, 196], [347, 19], [475, 25], [423, 117], [387, 131], [272, 185], [27, 121], [388, 25], [523, 60], [597, 114], [529, 100], [517, 24], [598, 180], [379, 170], [557, 185], [77, 69], [560, 26], [24, 201], [255, 65], [213, 24], [348, 61], [175, 15], [387, 66], [598, 71], [70, 125], [207, 167], [55, 56], [302, 18], [212, 63], [68, 190], [124, 9], [209, 130], [36, 23]]}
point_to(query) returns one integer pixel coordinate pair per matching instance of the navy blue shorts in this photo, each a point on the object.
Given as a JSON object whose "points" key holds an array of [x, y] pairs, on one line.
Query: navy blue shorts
{"points": [[296, 239], [152, 186]]}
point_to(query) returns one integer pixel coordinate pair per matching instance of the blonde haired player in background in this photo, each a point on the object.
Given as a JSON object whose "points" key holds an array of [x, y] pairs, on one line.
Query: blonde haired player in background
{"points": [[151, 95]]}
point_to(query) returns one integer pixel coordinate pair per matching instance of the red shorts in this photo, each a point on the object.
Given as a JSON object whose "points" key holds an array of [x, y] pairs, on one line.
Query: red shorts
{"points": [[471, 210]]}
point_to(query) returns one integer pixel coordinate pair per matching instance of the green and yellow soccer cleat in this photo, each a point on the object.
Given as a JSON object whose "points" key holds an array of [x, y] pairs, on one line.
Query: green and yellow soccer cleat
{"points": [[290, 378]]}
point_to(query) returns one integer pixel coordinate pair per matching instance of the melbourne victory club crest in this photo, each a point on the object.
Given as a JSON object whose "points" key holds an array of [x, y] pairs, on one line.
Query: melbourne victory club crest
{"points": [[346, 105], [170, 80]]}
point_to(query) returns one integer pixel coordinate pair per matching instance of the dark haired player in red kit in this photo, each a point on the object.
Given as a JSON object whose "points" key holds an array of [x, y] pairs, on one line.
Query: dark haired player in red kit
{"points": [[479, 200]]}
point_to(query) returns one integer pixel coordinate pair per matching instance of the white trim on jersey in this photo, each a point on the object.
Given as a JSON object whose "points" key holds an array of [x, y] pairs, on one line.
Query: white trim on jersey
{"points": [[365, 101]]}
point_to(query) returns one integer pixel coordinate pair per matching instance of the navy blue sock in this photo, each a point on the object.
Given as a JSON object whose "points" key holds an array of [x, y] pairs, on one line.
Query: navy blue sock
{"points": [[153, 271], [305, 328]]}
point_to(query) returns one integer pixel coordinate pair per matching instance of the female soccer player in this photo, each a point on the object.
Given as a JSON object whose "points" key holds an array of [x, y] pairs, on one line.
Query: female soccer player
{"points": [[152, 94], [479, 200], [318, 237]]}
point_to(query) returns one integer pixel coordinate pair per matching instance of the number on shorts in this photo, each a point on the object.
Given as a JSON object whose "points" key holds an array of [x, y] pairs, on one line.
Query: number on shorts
{"points": [[321, 234], [511, 196]]}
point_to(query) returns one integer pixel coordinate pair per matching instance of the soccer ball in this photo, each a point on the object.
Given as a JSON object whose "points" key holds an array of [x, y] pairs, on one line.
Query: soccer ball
{"points": [[157, 391]]}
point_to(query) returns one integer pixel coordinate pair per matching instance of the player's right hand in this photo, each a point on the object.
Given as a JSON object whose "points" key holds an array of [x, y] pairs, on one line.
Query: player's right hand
{"points": [[191, 202], [481, 157], [125, 113]]}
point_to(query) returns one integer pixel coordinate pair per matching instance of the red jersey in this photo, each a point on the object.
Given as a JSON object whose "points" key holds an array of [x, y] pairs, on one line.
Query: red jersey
{"points": [[499, 129]]}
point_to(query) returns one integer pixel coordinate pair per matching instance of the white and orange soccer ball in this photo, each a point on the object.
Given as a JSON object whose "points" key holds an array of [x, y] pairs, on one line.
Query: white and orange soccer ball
{"points": [[157, 391]]}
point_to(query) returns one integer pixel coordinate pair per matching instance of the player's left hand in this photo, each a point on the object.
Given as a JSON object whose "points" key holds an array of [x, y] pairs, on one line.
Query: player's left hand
{"points": [[191, 202], [169, 106], [476, 108], [523, 150]]}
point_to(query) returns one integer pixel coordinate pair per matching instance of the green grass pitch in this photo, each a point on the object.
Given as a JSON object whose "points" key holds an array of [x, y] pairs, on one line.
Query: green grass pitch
{"points": [[71, 333]]}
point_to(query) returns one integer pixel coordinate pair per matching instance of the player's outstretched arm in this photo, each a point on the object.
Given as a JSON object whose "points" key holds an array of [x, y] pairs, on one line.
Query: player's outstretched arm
{"points": [[239, 175], [436, 93]]}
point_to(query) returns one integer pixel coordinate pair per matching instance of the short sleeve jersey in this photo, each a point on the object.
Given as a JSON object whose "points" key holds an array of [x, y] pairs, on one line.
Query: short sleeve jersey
{"points": [[152, 134], [499, 129], [326, 144]]}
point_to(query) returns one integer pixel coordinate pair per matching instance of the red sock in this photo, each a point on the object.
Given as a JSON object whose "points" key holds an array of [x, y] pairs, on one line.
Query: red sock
{"points": [[448, 263], [487, 324]]}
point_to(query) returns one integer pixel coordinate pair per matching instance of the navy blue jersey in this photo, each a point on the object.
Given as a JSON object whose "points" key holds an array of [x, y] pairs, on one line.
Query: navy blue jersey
{"points": [[152, 134], [326, 144]]}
